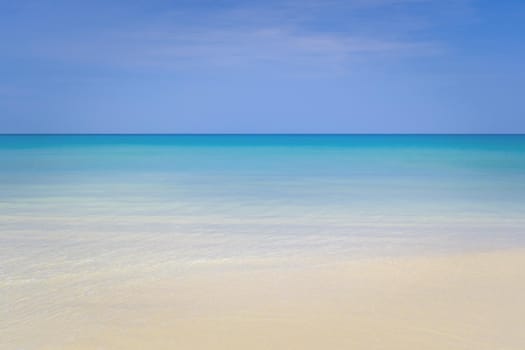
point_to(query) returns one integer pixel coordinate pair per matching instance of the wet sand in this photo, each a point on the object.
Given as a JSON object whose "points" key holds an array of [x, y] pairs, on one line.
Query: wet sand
{"points": [[469, 301]]}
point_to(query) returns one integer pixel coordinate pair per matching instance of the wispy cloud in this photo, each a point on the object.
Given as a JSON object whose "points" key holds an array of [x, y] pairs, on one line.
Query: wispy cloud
{"points": [[232, 47], [286, 32]]}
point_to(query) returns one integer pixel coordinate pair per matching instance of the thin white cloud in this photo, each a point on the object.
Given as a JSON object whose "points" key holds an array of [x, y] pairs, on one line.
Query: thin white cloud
{"points": [[280, 33], [232, 47]]}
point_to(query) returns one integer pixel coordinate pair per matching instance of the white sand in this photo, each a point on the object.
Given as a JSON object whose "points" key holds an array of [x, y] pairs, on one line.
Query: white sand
{"points": [[474, 301]]}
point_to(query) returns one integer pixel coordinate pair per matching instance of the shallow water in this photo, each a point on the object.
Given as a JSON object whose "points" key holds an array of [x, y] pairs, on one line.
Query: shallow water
{"points": [[83, 213]]}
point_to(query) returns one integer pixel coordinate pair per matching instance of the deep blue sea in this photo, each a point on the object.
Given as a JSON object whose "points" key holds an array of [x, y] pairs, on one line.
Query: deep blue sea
{"points": [[158, 204]]}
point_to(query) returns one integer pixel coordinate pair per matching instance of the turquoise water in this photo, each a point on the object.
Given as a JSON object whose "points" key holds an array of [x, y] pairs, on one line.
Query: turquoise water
{"points": [[81, 216], [161, 204]]}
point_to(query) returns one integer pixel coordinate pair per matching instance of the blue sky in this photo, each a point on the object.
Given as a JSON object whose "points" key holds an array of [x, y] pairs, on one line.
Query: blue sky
{"points": [[291, 66]]}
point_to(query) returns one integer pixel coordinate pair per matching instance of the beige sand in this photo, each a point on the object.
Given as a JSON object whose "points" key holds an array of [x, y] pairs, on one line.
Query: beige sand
{"points": [[474, 301]]}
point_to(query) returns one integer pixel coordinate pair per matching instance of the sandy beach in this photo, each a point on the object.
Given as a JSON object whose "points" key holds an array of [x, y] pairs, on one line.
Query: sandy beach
{"points": [[468, 301]]}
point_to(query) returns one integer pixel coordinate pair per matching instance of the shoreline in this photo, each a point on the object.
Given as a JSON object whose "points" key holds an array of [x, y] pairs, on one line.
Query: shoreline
{"points": [[458, 301]]}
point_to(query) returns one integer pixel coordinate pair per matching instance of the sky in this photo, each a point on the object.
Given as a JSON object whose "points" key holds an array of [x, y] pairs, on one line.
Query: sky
{"points": [[262, 66]]}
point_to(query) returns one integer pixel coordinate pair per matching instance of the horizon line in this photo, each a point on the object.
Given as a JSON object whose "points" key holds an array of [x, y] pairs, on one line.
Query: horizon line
{"points": [[262, 134]]}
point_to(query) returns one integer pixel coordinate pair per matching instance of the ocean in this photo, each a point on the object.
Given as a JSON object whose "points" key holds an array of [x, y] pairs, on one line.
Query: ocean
{"points": [[81, 213], [102, 201]]}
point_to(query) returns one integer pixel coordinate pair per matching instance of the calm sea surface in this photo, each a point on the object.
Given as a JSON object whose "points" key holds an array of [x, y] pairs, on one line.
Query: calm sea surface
{"points": [[81, 213], [96, 203]]}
